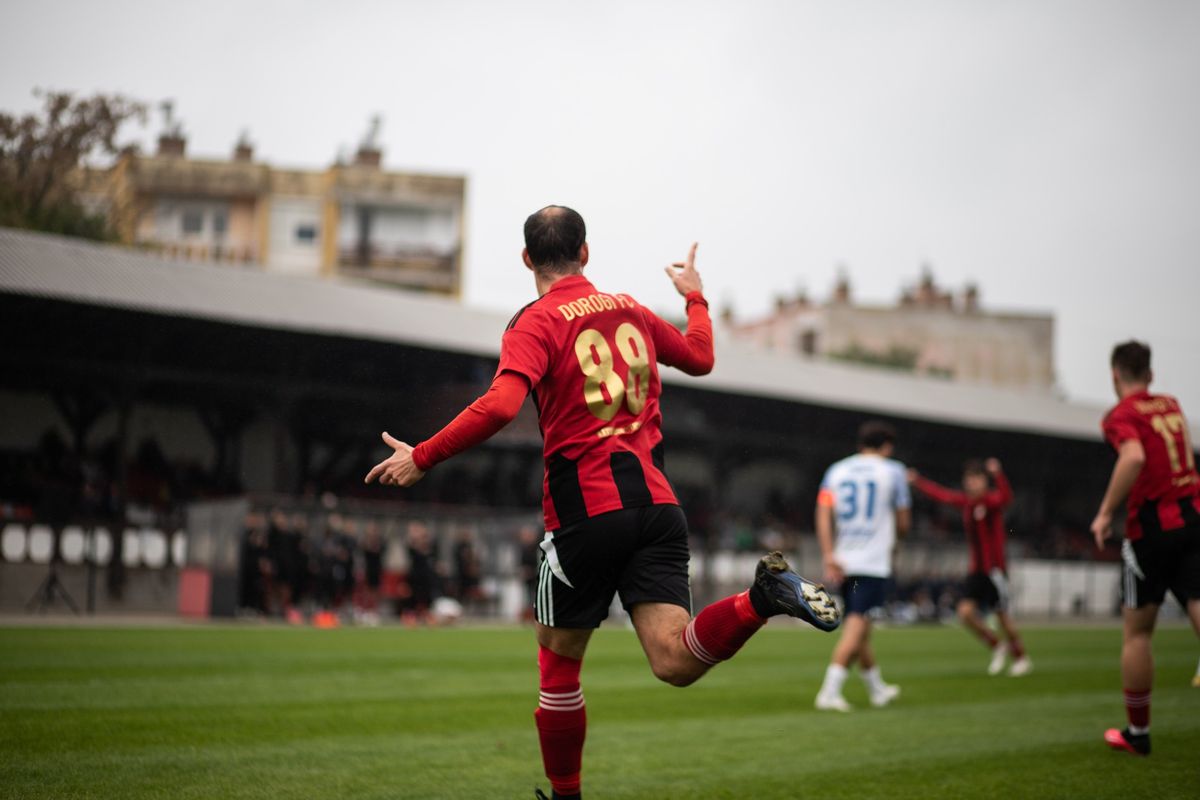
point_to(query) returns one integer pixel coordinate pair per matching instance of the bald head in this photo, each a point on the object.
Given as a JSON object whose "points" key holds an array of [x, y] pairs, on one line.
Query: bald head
{"points": [[554, 240]]}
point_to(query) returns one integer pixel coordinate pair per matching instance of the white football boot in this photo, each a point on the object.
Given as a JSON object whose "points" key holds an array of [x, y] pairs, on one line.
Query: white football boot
{"points": [[886, 694], [832, 702], [999, 654]]}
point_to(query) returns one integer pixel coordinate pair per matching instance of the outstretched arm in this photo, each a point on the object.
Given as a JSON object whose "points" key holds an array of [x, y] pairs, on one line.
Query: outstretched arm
{"points": [[935, 491], [690, 352], [477, 423], [1130, 458]]}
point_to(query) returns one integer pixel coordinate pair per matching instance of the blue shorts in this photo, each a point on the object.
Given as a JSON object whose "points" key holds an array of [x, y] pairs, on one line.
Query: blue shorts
{"points": [[861, 593]]}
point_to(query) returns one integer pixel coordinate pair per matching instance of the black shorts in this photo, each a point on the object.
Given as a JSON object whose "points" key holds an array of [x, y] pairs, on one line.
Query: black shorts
{"points": [[1160, 561], [641, 553], [988, 590], [861, 593]]}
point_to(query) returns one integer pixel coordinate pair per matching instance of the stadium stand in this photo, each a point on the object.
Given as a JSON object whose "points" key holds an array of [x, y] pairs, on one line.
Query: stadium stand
{"points": [[139, 391]]}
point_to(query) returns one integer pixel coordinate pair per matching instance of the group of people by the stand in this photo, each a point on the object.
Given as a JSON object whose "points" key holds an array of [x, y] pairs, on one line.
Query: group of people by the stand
{"points": [[335, 568]]}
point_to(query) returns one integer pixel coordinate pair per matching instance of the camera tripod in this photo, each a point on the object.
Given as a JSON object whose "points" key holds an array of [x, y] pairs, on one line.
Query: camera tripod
{"points": [[51, 586]]}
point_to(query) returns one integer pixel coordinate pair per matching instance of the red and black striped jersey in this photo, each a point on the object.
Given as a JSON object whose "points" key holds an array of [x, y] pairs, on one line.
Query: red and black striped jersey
{"points": [[1166, 494], [983, 519], [592, 359]]}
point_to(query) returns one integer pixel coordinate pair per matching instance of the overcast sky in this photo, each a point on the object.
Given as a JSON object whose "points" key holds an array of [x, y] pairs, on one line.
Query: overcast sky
{"points": [[1046, 150]]}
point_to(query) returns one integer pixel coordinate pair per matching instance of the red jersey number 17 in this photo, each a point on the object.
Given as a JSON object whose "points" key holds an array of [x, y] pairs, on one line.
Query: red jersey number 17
{"points": [[1174, 433]]}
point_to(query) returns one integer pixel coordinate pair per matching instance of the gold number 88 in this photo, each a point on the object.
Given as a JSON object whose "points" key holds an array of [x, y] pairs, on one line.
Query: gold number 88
{"points": [[603, 389]]}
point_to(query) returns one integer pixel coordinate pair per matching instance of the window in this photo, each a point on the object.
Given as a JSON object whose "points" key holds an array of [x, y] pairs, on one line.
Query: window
{"points": [[306, 233], [808, 342], [220, 224], [193, 221]]}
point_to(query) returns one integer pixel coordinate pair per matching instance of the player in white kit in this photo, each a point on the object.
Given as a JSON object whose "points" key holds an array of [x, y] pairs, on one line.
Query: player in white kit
{"points": [[865, 498]]}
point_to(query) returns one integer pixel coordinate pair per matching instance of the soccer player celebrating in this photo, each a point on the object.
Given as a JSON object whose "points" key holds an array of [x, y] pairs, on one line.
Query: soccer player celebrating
{"points": [[613, 524], [986, 586], [868, 495], [1156, 471]]}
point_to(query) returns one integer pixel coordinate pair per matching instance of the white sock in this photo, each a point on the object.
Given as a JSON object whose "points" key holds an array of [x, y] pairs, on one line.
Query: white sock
{"points": [[872, 678], [835, 676], [1136, 731], [1198, 667]]}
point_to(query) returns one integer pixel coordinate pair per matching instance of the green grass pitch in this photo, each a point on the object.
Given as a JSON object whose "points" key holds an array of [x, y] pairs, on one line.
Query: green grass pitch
{"points": [[272, 712]]}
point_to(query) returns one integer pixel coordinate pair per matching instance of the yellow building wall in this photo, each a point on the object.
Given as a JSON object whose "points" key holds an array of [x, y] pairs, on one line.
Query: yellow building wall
{"points": [[263, 222], [243, 226], [330, 219]]}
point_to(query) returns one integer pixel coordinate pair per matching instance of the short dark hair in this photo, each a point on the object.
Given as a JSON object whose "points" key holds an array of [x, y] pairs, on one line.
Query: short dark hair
{"points": [[1132, 360], [875, 433], [553, 237], [973, 466]]}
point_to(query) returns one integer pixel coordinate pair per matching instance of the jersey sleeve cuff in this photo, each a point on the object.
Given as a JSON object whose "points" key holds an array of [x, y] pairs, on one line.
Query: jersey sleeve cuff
{"points": [[694, 297], [420, 457]]}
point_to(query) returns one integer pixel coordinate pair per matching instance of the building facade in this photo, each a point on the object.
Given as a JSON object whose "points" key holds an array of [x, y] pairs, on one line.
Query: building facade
{"points": [[930, 331], [353, 219]]}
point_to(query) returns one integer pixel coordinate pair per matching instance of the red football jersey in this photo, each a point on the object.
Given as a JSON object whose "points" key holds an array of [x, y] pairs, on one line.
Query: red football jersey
{"points": [[590, 358], [1166, 494], [983, 520]]}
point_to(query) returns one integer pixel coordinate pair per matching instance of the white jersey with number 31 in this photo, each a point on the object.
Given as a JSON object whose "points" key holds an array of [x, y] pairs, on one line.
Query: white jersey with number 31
{"points": [[865, 492]]}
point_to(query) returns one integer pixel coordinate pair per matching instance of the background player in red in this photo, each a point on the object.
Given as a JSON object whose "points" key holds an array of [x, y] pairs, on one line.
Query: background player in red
{"points": [[986, 587], [1156, 471], [613, 524]]}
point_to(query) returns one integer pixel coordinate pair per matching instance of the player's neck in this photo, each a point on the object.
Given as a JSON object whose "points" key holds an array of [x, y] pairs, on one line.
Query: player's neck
{"points": [[1130, 389], [545, 280]]}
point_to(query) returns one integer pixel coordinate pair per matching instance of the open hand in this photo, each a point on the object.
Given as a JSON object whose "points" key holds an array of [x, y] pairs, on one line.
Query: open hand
{"points": [[683, 274], [398, 469], [992, 465]]}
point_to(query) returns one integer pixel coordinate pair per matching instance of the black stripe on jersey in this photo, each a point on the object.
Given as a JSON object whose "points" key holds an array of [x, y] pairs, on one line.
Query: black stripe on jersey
{"points": [[630, 479], [1148, 516], [517, 315], [1191, 517], [657, 459], [562, 477]]}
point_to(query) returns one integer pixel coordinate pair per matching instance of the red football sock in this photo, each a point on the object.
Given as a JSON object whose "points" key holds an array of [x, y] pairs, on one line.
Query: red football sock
{"points": [[721, 629], [561, 720], [990, 639], [1016, 648], [1137, 708]]}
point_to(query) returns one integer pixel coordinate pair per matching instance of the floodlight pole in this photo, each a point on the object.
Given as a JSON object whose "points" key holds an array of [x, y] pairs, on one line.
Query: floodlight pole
{"points": [[90, 555]]}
